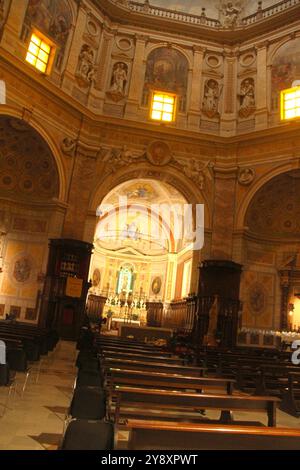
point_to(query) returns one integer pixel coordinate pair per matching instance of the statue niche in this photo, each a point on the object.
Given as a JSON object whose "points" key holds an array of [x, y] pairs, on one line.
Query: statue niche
{"points": [[210, 104], [85, 66], [118, 81], [247, 98]]}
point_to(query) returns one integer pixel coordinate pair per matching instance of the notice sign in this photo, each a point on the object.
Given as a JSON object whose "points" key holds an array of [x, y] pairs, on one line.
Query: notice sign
{"points": [[74, 287]]}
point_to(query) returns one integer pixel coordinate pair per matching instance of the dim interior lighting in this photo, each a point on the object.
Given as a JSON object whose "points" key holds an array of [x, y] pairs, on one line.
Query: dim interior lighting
{"points": [[290, 103], [163, 107], [38, 53]]}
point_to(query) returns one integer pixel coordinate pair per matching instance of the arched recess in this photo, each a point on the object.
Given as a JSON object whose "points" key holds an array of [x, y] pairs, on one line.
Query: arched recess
{"points": [[32, 211], [33, 122], [166, 174], [269, 242], [259, 183]]}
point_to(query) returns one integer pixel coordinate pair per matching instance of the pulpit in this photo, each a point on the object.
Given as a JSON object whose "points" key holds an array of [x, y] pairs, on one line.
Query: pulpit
{"points": [[66, 286]]}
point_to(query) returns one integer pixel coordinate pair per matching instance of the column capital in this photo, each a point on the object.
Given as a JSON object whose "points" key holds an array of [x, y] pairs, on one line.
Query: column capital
{"points": [[199, 49]]}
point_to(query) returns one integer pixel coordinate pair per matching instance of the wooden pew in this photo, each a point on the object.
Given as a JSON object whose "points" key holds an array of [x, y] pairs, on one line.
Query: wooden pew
{"points": [[141, 357], [291, 396], [156, 435], [108, 362], [168, 381], [144, 402], [133, 350]]}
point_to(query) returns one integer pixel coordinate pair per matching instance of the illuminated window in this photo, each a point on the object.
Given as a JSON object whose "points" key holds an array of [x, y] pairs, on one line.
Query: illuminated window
{"points": [[38, 53], [290, 103], [163, 107]]}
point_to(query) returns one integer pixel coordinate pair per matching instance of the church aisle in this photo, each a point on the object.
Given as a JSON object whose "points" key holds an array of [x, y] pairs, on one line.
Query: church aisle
{"points": [[35, 422]]}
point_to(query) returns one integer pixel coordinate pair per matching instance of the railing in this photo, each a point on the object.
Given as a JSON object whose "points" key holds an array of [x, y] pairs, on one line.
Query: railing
{"points": [[262, 14], [175, 15], [203, 20]]}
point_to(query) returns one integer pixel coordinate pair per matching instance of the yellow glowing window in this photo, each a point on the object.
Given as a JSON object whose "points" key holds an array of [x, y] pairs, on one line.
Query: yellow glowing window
{"points": [[38, 53], [290, 103], [163, 107]]}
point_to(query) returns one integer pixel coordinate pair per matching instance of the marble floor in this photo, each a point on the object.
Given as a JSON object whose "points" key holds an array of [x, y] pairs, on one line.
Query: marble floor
{"points": [[34, 421]]}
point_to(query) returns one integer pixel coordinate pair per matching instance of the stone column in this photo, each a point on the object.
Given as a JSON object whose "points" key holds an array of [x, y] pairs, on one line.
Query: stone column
{"points": [[170, 285], [77, 41], [13, 26], [229, 109], [223, 218], [137, 78], [261, 115], [196, 87]]}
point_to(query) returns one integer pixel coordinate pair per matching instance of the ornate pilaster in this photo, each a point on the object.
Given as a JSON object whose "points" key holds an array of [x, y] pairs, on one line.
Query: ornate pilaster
{"points": [[137, 77], [196, 85], [13, 25], [81, 185], [223, 220], [228, 116], [261, 115]]}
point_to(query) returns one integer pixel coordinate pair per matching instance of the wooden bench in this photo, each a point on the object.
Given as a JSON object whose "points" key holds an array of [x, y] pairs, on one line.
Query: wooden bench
{"points": [[155, 435], [144, 402], [291, 396], [168, 381], [146, 352], [142, 357], [108, 362]]}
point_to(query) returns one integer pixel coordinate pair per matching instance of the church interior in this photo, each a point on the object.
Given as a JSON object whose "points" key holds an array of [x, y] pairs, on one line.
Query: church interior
{"points": [[149, 225]]}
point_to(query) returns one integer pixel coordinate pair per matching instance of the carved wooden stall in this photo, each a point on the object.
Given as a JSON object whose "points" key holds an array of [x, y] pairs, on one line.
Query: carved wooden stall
{"points": [[219, 288]]}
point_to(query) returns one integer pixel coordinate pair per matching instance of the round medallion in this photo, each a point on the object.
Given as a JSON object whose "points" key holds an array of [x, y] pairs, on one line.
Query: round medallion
{"points": [[159, 153]]}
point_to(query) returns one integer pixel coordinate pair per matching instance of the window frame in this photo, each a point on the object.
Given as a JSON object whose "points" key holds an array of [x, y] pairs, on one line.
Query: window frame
{"points": [[283, 93], [167, 93], [50, 43]]}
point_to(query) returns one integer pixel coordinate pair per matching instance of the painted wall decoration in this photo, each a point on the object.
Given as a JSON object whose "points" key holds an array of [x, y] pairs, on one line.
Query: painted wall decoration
{"points": [[118, 81], [167, 70], [52, 17], [96, 277], [15, 311], [156, 285], [30, 314], [22, 269], [247, 98], [257, 298], [285, 69], [210, 105]]}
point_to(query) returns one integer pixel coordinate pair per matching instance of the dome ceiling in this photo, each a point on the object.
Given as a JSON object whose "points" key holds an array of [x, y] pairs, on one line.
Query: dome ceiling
{"points": [[212, 6], [275, 209]]}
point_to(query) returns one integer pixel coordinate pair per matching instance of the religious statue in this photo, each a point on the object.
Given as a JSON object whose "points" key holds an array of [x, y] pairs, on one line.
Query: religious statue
{"points": [[118, 81], [247, 98], [231, 13], [211, 99], [85, 67]]}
